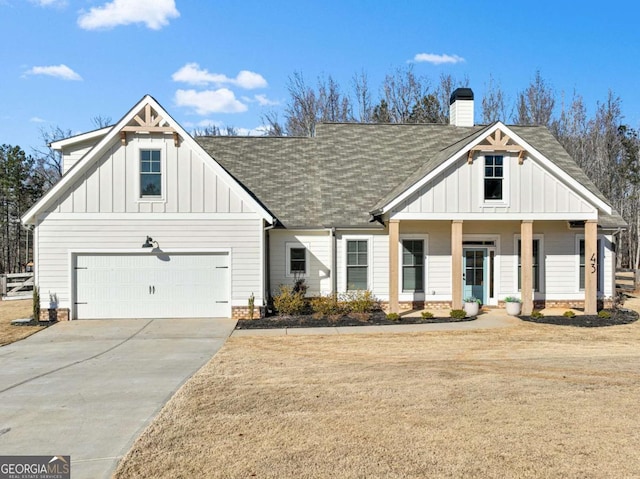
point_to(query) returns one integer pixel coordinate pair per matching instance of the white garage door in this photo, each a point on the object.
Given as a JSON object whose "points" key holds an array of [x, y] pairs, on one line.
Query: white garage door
{"points": [[152, 285]]}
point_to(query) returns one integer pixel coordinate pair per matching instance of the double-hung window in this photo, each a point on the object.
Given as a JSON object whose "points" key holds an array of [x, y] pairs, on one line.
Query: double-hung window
{"points": [[297, 261], [413, 265], [150, 174], [357, 265], [536, 265], [493, 177]]}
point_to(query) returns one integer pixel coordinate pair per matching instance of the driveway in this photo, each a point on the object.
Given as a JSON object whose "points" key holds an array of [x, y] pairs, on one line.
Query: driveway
{"points": [[88, 388]]}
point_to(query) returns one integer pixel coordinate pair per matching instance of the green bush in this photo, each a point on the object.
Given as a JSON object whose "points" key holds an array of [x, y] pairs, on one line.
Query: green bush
{"points": [[604, 314], [536, 314], [361, 301], [289, 302], [458, 313], [569, 314], [325, 305], [426, 315], [393, 317]]}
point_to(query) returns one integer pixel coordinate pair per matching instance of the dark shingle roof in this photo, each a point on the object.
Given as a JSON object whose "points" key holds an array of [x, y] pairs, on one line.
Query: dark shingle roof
{"points": [[350, 169]]}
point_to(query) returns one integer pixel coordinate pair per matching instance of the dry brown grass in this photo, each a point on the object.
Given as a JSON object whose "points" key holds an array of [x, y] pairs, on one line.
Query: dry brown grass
{"points": [[10, 310], [529, 401]]}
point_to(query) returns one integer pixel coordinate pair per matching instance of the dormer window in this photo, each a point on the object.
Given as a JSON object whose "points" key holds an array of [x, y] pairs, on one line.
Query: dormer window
{"points": [[493, 177]]}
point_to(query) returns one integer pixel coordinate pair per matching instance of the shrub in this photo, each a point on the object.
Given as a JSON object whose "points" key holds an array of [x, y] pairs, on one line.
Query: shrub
{"points": [[299, 286], [458, 313], [325, 305], [393, 317], [289, 302], [426, 315], [569, 314], [361, 301], [512, 299], [252, 305], [604, 314], [536, 314], [472, 299]]}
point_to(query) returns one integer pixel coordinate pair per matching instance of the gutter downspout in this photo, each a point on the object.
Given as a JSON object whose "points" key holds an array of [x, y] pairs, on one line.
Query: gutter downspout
{"points": [[266, 294], [334, 261]]}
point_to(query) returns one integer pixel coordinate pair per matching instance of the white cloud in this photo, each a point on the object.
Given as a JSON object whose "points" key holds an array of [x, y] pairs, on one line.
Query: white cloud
{"points": [[58, 71], [155, 14], [210, 101], [264, 101], [192, 74], [437, 59], [50, 3], [37, 119]]}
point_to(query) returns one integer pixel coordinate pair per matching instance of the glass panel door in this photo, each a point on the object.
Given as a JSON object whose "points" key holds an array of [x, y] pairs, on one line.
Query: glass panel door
{"points": [[475, 269]]}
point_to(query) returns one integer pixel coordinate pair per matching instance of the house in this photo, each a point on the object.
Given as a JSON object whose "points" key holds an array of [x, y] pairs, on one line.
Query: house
{"points": [[148, 221]]}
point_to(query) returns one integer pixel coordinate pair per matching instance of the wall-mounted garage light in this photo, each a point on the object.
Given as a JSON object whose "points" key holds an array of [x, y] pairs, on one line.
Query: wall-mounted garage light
{"points": [[149, 243]]}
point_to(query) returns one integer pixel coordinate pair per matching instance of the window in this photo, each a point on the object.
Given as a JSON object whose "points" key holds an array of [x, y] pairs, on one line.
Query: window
{"points": [[357, 264], [150, 174], [412, 265], [298, 261], [583, 264], [536, 265], [493, 177]]}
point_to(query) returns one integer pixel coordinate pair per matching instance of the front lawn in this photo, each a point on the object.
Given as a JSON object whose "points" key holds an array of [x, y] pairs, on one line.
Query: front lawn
{"points": [[530, 401], [16, 309]]}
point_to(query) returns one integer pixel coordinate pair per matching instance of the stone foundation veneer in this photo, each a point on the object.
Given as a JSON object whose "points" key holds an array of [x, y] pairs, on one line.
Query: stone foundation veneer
{"points": [[59, 314]]}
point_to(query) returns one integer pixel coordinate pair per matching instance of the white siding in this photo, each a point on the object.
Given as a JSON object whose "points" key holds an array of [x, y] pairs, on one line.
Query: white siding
{"points": [[58, 237], [73, 153], [112, 184], [527, 188], [378, 272], [318, 246]]}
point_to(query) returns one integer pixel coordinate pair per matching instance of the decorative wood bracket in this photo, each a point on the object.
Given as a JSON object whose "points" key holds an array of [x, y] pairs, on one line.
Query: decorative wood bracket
{"points": [[498, 142], [148, 121]]}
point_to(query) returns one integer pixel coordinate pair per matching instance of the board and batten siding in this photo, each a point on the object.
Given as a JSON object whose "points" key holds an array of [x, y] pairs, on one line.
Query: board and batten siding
{"points": [[528, 188], [318, 245], [58, 237], [111, 185]]}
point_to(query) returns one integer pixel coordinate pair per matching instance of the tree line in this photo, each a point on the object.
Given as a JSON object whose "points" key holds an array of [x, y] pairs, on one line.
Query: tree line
{"points": [[602, 144]]}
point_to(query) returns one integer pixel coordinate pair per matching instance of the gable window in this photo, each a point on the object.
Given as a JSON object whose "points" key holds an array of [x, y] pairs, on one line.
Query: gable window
{"points": [[297, 261], [150, 174], [493, 177], [413, 265], [536, 265], [584, 264], [357, 265]]}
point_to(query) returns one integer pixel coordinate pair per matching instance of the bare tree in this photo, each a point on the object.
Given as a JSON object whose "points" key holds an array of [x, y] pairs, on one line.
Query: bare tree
{"points": [[493, 103], [48, 161], [535, 104], [402, 91], [101, 121], [363, 97]]}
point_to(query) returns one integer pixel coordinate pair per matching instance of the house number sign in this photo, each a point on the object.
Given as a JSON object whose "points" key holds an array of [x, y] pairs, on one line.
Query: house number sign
{"points": [[593, 263]]}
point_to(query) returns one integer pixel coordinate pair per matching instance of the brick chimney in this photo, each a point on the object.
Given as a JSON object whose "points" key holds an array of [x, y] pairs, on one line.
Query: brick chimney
{"points": [[461, 107]]}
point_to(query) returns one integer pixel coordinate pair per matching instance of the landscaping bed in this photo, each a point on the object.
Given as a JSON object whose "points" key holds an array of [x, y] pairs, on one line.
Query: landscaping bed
{"points": [[353, 319], [618, 317]]}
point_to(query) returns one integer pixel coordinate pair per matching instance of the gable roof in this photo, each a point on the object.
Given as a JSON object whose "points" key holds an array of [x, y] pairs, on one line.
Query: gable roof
{"points": [[349, 170], [112, 136]]}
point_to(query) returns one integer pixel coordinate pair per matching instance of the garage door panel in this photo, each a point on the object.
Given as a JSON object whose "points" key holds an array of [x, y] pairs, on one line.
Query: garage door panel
{"points": [[152, 286]]}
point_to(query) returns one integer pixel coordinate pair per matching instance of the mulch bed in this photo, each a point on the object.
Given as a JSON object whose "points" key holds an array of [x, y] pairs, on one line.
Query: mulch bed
{"points": [[618, 317], [364, 319]]}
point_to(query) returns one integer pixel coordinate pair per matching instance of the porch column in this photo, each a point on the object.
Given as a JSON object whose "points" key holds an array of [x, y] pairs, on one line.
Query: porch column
{"points": [[456, 264], [526, 262], [394, 238], [591, 267]]}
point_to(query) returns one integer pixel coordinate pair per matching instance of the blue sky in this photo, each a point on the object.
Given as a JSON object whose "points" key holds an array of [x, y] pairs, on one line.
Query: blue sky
{"points": [[65, 62]]}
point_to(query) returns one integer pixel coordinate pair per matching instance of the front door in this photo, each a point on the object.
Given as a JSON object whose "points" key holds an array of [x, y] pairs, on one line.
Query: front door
{"points": [[475, 273]]}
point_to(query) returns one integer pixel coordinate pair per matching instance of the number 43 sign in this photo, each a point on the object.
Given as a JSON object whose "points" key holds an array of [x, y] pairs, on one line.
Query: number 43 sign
{"points": [[593, 262]]}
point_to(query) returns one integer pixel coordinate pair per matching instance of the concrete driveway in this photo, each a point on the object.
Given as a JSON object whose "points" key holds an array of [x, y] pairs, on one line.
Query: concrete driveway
{"points": [[88, 388]]}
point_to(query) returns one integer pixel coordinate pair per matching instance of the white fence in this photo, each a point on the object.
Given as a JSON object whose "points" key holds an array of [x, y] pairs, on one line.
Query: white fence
{"points": [[16, 284]]}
